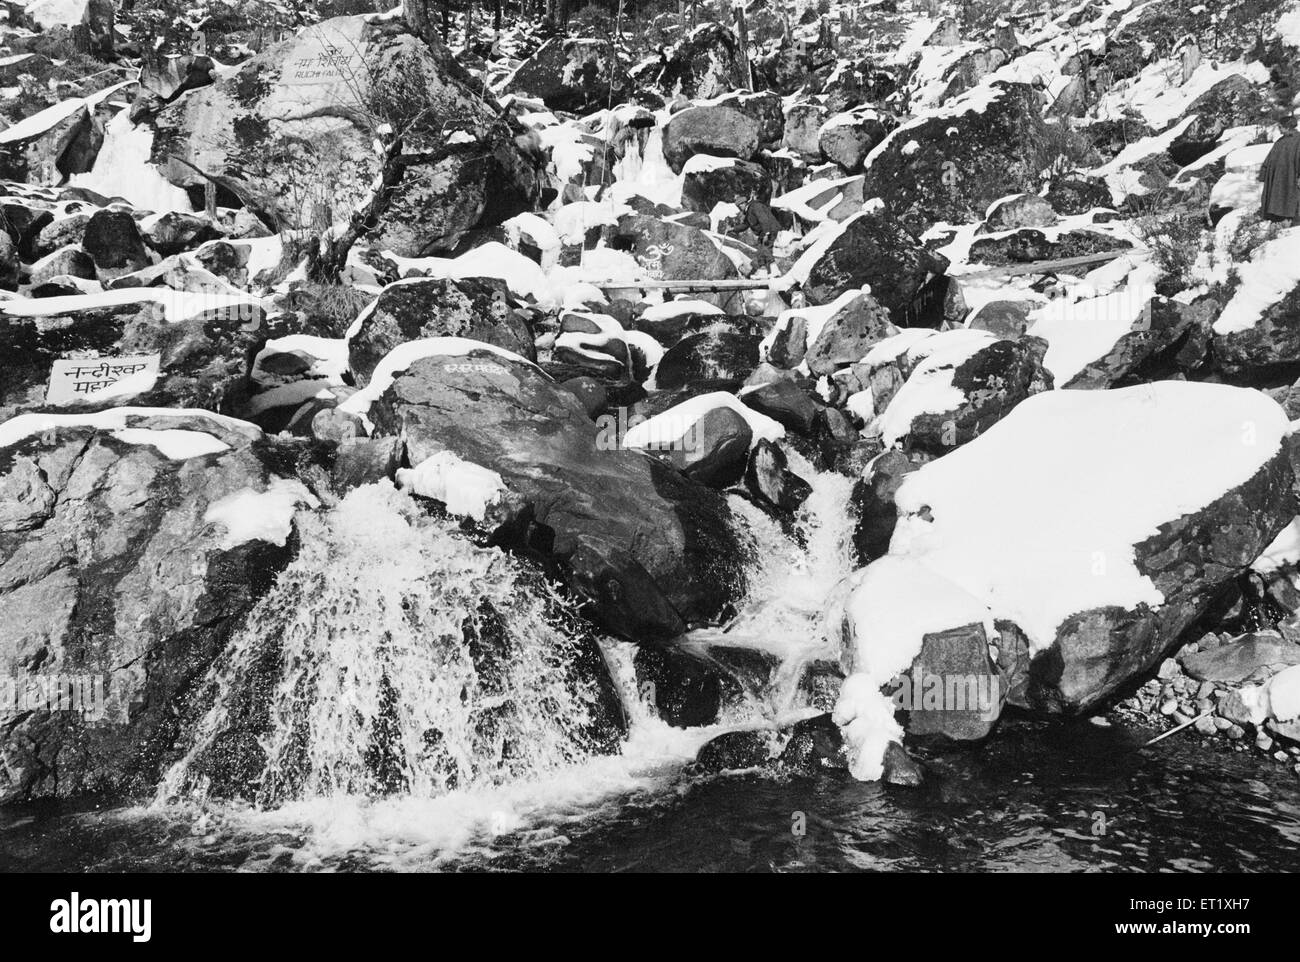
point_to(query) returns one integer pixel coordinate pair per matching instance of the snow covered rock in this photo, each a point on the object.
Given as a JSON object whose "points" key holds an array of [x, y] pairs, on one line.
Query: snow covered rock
{"points": [[298, 135], [847, 138], [648, 549], [803, 124], [671, 250], [1124, 338], [204, 345], [709, 181], [1019, 210], [829, 336], [704, 64], [969, 153], [476, 308], [1232, 102], [573, 74], [718, 358], [120, 567], [721, 131], [58, 141], [961, 383], [1135, 509], [1258, 333], [871, 248], [1026, 246]]}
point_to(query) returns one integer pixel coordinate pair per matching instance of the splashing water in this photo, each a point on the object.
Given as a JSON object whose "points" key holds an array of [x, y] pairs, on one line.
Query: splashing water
{"points": [[789, 583], [393, 656]]}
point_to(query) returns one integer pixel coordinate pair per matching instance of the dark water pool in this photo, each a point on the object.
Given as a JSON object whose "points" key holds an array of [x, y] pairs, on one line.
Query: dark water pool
{"points": [[1038, 798]]}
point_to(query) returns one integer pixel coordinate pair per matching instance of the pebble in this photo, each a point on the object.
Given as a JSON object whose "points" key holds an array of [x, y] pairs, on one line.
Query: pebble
{"points": [[1235, 732], [1281, 756], [1168, 669], [1206, 689], [1181, 718], [1168, 707], [1205, 726], [1221, 723], [1263, 742]]}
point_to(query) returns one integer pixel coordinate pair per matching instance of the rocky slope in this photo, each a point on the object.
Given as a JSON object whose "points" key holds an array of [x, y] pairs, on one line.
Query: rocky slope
{"points": [[616, 303]]}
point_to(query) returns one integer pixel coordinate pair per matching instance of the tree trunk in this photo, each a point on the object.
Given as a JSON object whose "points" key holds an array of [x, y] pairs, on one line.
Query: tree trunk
{"points": [[419, 17]]}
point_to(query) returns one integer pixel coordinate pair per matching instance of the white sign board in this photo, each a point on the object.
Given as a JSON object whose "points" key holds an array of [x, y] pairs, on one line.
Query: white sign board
{"points": [[87, 378]]}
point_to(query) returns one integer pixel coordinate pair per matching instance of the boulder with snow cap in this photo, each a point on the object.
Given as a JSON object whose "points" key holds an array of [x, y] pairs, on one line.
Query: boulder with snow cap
{"points": [[803, 123], [968, 154], [709, 181], [572, 74], [671, 251], [1257, 335], [848, 137], [704, 64], [1025, 246], [299, 138], [722, 131], [477, 308], [1164, 338], [648, 550], [1232, 102], [1019, 210], [829, 336], [51, 144], [176, 232], [962, 387], [204, 345], [1084, 595], [132, 544], [876, 249], [717, 358]]}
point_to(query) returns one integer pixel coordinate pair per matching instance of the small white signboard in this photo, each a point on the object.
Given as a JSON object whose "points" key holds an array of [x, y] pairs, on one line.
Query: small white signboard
{"points": [[85, 378]]}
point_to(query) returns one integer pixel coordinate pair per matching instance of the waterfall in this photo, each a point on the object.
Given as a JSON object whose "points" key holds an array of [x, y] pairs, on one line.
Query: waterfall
{"points": [[790, 581], [393, 656]]}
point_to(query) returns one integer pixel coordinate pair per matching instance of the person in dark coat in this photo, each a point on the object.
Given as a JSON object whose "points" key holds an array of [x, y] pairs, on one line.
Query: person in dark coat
{"points": [[1280, 174]]}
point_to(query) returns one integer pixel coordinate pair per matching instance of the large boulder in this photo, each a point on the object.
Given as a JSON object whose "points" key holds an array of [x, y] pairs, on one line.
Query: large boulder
{"points": [[573, 74], [950, 165], [417, 308], [705, 64], [873, 247], [293, 131], [830, 336], [1232, 102], [1257, 336], [721, 131], [708, 181], [650, 551], [1134, 509], [56, 142], [123, 571], [671, 250], [143, 346], [966, 382]]}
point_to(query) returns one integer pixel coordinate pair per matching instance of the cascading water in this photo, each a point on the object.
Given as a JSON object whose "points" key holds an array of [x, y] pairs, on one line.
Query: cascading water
{"points": [[394, 656], [790, 582]]}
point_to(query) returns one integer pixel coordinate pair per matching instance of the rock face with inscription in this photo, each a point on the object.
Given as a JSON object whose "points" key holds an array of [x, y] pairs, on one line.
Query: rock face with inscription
{"points": [[121, 579], [144, 347], [293, 131], [409, 310]]}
